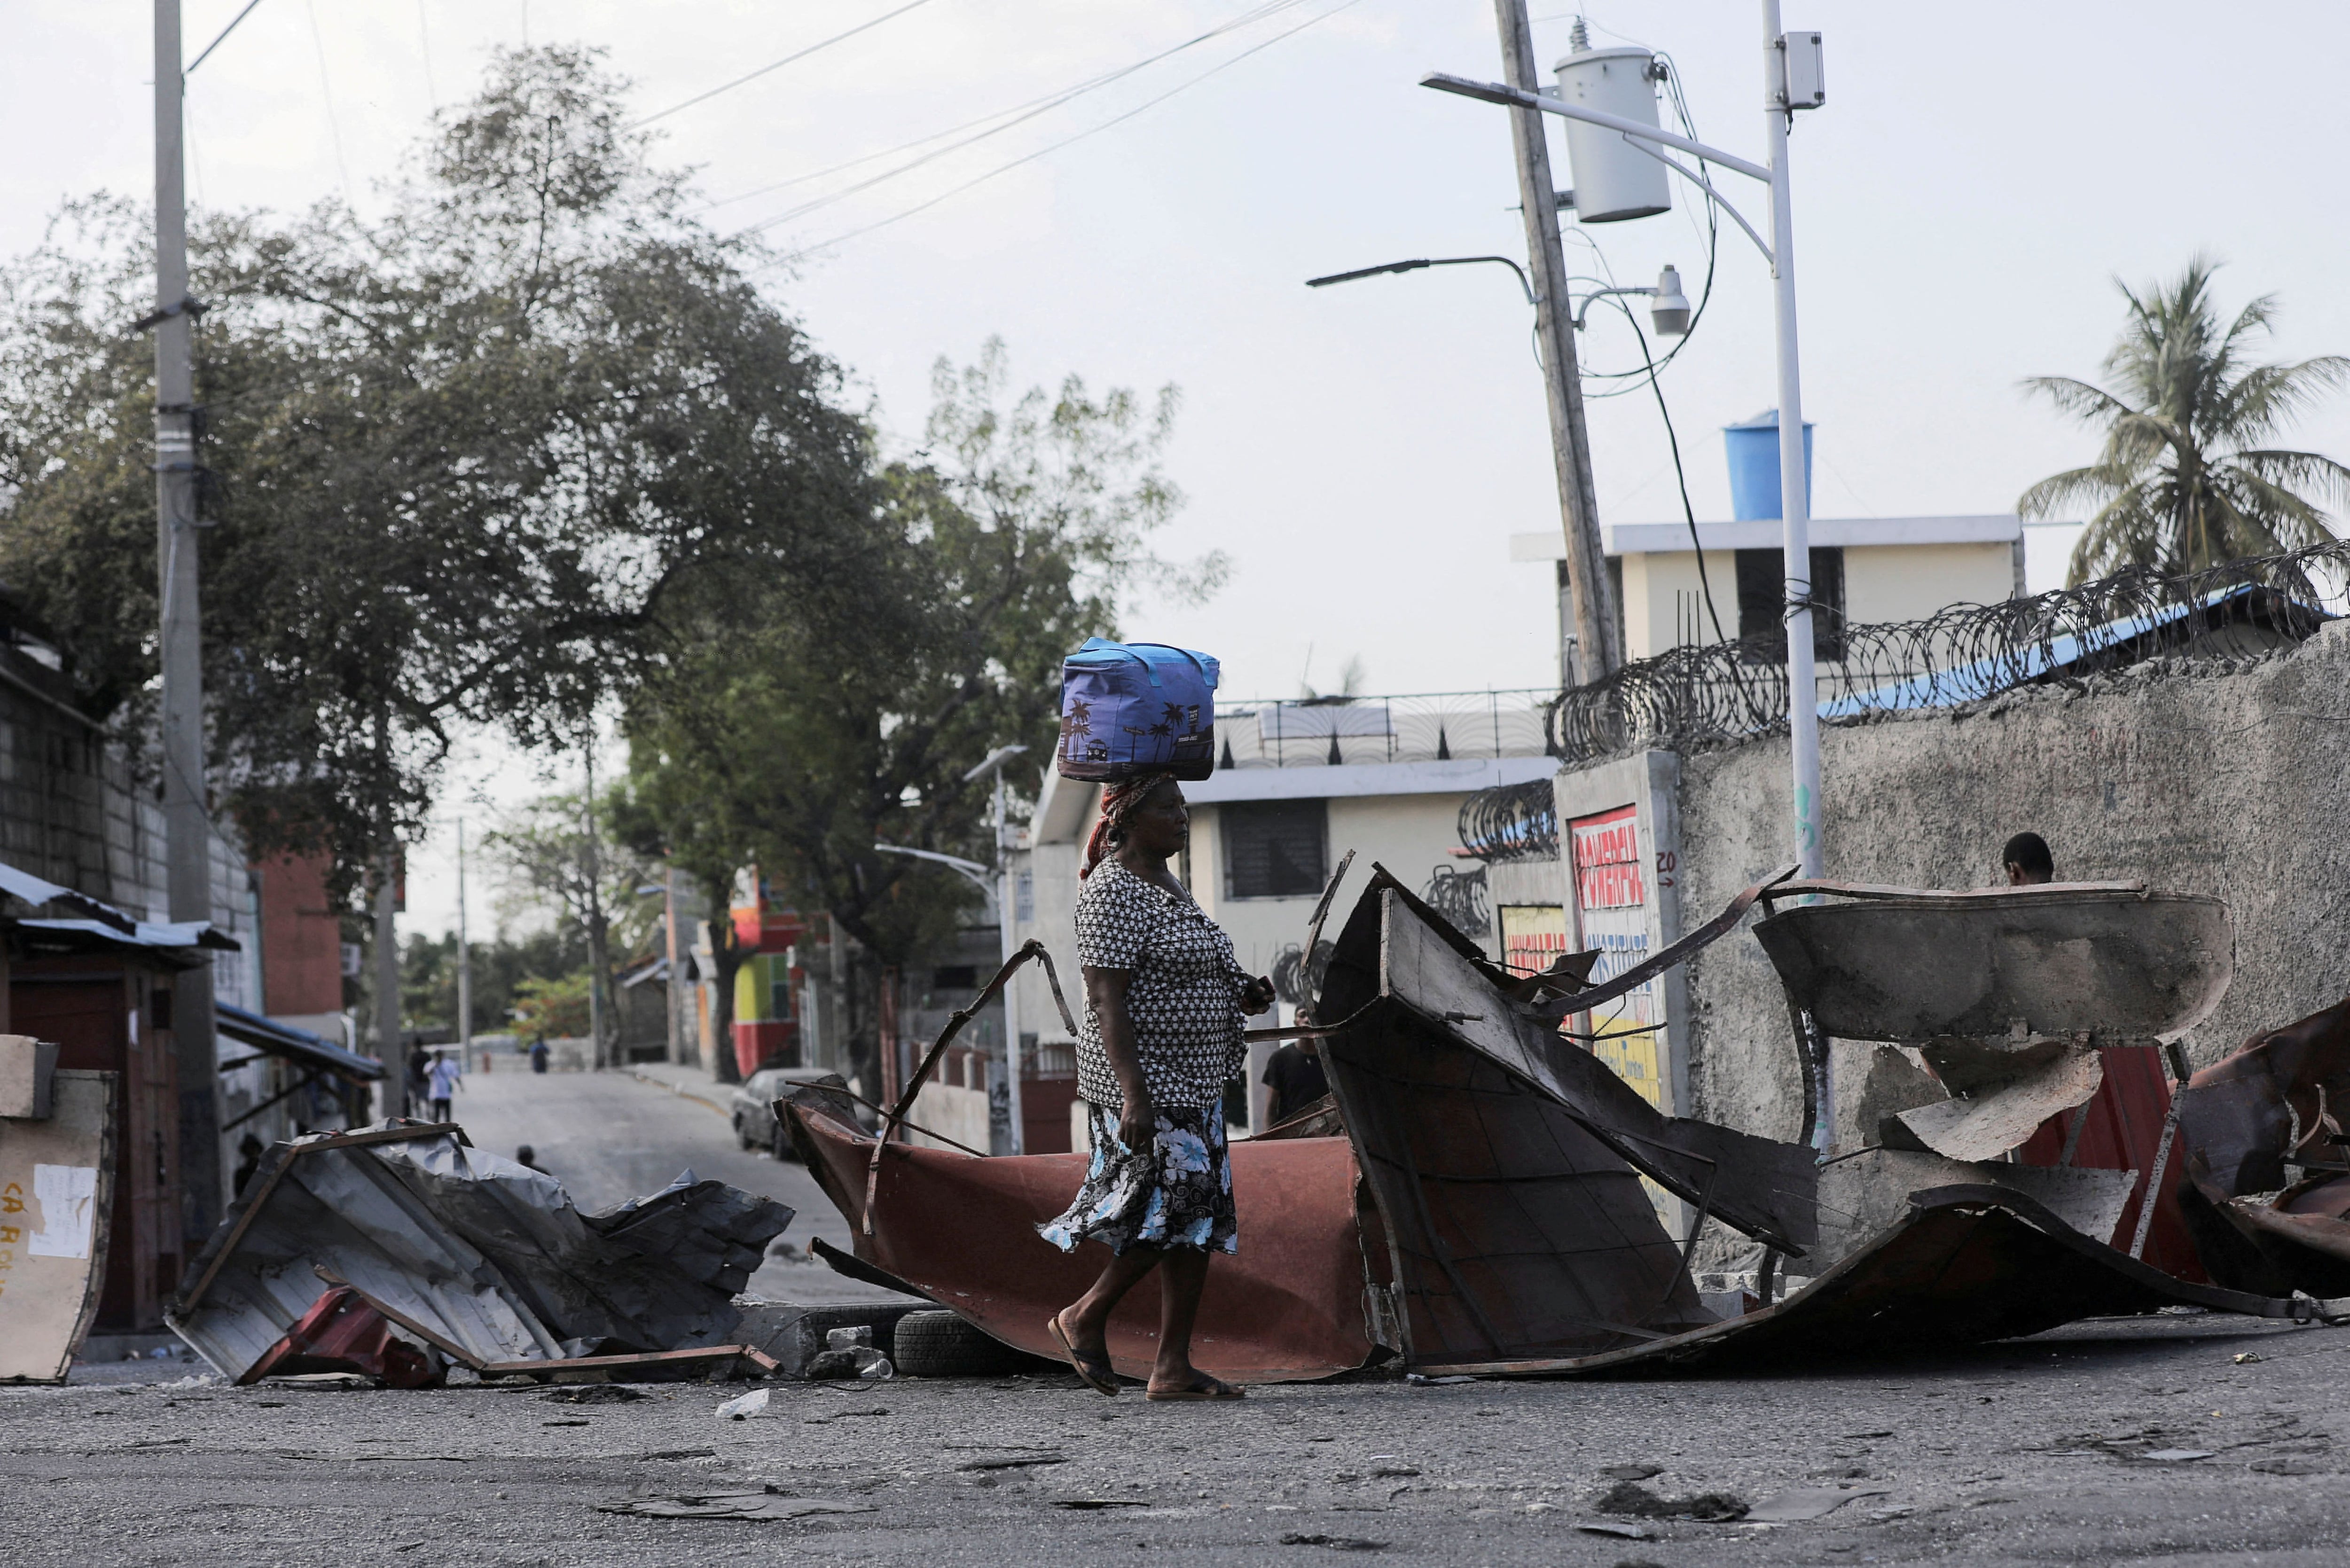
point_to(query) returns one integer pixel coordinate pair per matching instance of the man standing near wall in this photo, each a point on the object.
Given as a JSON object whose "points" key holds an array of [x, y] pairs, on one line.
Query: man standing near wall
{"points": [[2028, 861]]}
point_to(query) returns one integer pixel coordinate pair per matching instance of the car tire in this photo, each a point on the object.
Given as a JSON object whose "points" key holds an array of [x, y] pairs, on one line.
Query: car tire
{"points": [[942, 1345], [743, 1139]]}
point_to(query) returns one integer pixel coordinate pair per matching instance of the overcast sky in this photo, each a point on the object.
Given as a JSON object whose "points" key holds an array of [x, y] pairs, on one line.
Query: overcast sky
{"points": [[1962, 205]]}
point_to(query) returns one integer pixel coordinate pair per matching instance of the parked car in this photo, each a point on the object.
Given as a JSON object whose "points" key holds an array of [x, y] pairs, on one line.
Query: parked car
{"points": [[751, 1106]]}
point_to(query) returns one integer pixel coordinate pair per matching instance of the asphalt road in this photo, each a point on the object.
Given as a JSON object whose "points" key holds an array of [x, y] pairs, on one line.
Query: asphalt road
{"points": [[2028, 1453], [610, 1137]]}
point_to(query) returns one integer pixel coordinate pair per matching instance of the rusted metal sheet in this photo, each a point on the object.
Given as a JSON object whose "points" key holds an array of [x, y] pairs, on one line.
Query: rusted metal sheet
{"points": [[1506, 1161], [1863, 1194], [1966, 1264], [961, 1229], [2110, 964], [1988, 1125], [2252, 1124], [1396, 949]]}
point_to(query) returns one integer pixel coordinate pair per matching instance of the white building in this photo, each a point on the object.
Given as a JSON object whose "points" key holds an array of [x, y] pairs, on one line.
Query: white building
{"points": [[1871, 569]]}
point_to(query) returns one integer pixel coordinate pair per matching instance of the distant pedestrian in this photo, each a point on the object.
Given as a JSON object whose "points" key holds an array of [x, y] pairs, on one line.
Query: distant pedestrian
{"points": [[538, 1055], [419, 1068], [445, 1078], [528, 1155], [248, 1162], [1163, 1002], [2027, 860]]}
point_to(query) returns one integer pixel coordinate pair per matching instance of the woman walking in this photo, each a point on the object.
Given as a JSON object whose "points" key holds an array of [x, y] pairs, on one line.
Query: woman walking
{"points": [[1164, 998]]}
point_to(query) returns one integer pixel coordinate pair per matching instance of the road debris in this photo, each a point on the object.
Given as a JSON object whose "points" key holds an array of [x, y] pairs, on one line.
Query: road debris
{"points": [[1337, 1543], [743, 1408], [1807, 1503], [472, 1258], [1609, 1527], [2175, 1455], [594, 1394], [756, 1505], [1708, 1508]]}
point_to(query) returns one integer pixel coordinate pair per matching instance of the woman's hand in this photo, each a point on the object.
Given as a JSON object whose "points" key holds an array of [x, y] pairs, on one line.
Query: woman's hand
{"points": [[1138, 1124], [1256, 995]]}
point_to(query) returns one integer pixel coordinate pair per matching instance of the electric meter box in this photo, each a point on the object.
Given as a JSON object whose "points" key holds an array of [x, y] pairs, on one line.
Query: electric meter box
{"points": [[1804, 82], [1614, 178]]}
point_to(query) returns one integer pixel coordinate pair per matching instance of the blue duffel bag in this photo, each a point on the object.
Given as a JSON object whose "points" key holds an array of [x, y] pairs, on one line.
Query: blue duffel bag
{"points": [[1137, 707]]}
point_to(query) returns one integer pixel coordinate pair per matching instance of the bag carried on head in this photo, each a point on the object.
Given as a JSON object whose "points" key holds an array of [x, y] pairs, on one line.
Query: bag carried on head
{"points": [[1129, 708]]}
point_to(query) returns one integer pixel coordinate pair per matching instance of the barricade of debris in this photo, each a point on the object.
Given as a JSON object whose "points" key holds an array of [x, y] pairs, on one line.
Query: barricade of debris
{"points": [[401, 1250], [1470, 1201]]}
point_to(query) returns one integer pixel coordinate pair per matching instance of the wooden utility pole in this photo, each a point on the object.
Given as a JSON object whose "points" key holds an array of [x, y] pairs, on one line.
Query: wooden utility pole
{"points": [[1597, 652], [187, 826]]}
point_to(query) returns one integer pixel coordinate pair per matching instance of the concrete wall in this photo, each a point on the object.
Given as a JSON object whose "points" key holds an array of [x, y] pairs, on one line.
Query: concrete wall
{"points": [[2196, 777]]}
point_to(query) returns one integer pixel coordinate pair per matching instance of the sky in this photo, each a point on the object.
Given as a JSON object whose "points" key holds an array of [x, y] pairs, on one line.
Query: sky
{"points": [[1963, 204]]}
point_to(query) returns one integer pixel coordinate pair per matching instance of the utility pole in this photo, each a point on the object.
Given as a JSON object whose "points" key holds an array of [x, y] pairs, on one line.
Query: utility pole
{"points": [[186, 825], [387, 985], [464, 963], [1586, 563], [1012, 1065], [598, 941], [673, 988]]}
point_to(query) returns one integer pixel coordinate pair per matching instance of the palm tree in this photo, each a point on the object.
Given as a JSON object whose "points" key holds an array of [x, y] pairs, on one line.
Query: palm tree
{"points": [[2182, 482]]}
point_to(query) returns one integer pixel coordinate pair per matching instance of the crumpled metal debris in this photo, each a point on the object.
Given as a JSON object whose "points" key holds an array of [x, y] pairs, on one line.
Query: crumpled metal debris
{"points": [[483, 1259], [2267, 1120]]}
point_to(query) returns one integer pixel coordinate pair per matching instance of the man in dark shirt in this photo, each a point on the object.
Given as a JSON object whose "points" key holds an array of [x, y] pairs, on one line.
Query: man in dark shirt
{"points": [[1294, 1075]]}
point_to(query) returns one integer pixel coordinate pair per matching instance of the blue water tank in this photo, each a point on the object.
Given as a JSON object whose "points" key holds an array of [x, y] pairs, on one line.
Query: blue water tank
{"points": [[1753, 449]]}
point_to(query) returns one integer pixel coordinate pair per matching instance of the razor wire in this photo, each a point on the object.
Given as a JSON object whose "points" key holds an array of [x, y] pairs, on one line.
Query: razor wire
{"points": [[1724, 693], [1511, 822]]}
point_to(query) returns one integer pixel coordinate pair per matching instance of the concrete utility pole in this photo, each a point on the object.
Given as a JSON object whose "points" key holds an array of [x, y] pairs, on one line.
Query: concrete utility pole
{"points": [[464, 963], [187, 827], [387, 987], [1587, 564], [673, 988]]}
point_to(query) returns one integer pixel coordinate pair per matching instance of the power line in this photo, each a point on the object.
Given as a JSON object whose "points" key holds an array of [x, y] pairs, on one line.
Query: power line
{"points": [[222, 38], [1080, 136], [1024, 112], [777, 65]]}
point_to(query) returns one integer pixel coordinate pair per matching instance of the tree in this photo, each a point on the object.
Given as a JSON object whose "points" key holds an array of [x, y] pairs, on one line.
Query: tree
{"points": [[460, 460], [2184, 480], [557, 851], [814, 727], [556, 1008]]}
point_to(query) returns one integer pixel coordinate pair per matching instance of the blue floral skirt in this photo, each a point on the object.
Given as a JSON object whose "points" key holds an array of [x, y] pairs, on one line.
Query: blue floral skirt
{"points": [[1176, 1193]]}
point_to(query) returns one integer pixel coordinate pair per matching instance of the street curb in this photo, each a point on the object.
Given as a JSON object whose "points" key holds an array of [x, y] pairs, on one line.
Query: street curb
{"points": [[681, 1092]]}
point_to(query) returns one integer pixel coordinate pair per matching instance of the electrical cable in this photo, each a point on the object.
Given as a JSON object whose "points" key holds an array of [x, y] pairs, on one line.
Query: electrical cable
{"points": [[1672, 439], [1049, 100], [1258, 14], [1056, 146], [775, 64]]}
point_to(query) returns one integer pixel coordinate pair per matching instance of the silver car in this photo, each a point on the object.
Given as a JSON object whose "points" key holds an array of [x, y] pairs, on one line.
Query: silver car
{"points": [[751, 1106]]}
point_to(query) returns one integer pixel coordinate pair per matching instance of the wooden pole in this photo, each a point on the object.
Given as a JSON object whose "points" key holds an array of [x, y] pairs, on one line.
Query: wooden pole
{"points": [[1597, 652]]}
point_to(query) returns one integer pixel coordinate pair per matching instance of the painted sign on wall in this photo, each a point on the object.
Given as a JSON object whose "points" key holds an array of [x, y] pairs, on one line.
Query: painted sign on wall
{"points": [[1611, 896]]}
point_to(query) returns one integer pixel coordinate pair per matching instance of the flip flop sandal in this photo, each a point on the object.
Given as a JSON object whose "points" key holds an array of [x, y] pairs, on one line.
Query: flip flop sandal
{"points": [[1095, 1371], [1208, 1387]]}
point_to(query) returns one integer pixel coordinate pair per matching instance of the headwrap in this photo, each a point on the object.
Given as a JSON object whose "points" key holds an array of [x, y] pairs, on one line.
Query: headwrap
{"points": [[1119, 801]]}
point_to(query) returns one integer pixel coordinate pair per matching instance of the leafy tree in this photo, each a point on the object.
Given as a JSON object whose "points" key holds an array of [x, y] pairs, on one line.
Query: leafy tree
{"points": [[2185, 480], [808, 729], [553, 1009], [461, 459], [558, 852], [428, 989]]}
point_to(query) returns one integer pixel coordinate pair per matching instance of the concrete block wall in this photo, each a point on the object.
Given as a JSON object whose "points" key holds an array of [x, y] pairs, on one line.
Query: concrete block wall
{"points": [[2195, 777]]}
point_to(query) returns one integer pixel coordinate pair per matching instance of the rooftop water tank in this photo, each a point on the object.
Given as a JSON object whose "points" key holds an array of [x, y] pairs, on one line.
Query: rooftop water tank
{"points": [[1754, 467], [1614, 179]]}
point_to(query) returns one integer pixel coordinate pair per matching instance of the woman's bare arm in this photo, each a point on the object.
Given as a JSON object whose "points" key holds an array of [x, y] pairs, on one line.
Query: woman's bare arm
{"points": [[1106, 989]]}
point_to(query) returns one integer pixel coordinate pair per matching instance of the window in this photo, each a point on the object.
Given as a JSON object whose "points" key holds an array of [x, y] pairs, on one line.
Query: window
{"points": [[1273, 848], [955, 977], [1762, 587]]}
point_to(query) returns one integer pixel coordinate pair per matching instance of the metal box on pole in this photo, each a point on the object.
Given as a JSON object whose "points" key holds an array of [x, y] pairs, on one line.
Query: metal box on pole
{"points": [[1615, 179]]}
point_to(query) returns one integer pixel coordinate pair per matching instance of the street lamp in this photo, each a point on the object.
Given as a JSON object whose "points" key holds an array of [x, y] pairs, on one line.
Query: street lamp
{"points": [[1791, 79], [1670, 313], [995, 882]]}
